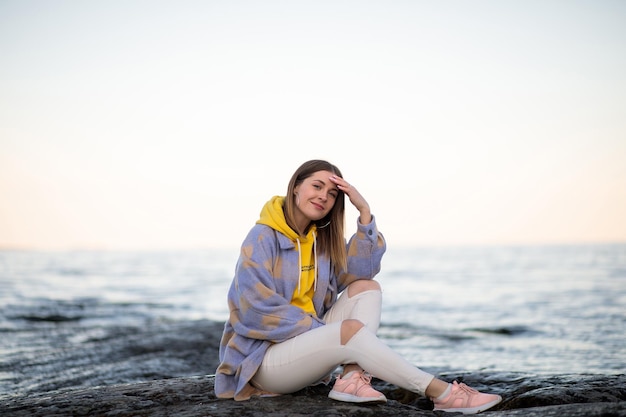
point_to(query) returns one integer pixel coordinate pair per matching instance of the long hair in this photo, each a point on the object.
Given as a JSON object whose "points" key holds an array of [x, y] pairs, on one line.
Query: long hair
{"points": [[330, 230]]}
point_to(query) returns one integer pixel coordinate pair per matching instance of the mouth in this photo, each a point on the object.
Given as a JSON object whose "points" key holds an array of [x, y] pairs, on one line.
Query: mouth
{"points": [[317, 206]]}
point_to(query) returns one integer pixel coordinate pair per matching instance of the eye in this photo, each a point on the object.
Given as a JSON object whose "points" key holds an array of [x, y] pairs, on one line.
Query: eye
{"points": [[317, 186]]}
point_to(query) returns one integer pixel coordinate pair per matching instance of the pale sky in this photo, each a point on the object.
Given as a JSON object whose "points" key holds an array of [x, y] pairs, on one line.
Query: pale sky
{"points": [[168, 124]]}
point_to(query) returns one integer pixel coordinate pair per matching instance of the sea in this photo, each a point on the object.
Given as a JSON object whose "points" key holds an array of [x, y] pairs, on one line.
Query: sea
{"points": [[542, 310]]}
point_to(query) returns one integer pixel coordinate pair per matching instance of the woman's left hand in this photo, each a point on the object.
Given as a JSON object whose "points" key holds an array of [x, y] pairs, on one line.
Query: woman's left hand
{"points": [[355, 197]]}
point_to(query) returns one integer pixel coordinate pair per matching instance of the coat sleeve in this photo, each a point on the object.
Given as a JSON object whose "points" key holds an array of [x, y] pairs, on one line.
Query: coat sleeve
{"points": [[259, 300], [365, 252]]}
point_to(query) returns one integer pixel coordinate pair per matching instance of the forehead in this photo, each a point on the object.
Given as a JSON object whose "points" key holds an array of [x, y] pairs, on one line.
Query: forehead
{"points": [[321, 176]]}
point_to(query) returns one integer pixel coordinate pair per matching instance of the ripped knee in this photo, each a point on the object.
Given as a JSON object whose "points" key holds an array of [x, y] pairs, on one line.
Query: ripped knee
{"points": [[362, 285], [349, 328]]}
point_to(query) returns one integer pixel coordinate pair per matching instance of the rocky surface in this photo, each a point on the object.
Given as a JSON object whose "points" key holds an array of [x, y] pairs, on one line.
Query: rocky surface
{"points": [[193, 396], [163, 369]]}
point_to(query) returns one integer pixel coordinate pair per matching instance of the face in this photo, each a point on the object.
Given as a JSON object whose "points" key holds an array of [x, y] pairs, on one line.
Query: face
{"points": [[315, 197]]}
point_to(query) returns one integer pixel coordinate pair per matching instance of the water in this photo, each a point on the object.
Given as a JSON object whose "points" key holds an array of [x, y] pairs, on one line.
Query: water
{"points": [[537, 310], [551, 309]]}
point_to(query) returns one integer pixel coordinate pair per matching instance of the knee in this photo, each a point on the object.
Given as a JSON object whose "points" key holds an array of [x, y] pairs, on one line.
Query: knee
{"points": [[362, 285], [349, 328]]}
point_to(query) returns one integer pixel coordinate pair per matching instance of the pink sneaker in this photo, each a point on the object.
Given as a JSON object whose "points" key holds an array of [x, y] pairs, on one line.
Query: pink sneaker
{"points": [[466, 400], [356, 387]]}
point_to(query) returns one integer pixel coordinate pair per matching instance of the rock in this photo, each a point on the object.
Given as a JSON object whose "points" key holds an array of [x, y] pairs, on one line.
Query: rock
{"points": [[524, 395], [153, 371]]}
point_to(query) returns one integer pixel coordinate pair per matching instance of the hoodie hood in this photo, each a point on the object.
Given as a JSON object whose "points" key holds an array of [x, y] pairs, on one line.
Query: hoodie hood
{"points": [[272, 215]]}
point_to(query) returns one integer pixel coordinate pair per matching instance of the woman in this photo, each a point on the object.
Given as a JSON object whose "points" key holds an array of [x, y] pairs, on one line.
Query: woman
{"points": [[302, 302]]}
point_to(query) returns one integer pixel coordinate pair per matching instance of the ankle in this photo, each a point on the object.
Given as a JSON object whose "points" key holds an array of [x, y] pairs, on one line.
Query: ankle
{"points": [[436, 388], [443, 395], [350, 369]]}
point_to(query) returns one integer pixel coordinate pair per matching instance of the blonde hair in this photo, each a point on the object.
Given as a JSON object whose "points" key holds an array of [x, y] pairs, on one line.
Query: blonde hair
{"points": [[330, 230]]}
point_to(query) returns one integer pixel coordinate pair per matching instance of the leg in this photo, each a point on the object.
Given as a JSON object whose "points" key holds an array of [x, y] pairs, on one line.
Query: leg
{"points": [[362, 300], [300, 361], [373, 355], [389, 366], [307, 358]]}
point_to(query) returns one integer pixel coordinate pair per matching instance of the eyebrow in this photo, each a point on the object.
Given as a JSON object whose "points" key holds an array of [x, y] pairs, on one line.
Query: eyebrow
{"points": [[323, 182]]}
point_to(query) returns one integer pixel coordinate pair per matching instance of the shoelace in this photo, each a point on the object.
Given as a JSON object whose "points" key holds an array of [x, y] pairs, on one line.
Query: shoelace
{"points": [[467, 389], [366, 377]]}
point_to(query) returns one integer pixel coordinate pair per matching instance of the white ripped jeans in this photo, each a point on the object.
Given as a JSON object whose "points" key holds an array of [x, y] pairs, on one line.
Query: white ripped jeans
{"points": [[310, 357]]}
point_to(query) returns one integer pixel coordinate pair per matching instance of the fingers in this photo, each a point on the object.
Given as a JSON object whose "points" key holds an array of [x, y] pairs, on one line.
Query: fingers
{"points": [[342, 184], [355, 197], [347, 188]]}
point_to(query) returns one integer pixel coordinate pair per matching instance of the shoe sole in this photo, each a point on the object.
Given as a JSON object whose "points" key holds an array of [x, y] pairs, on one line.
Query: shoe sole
{"points": [[349, 398], [473, 410]]}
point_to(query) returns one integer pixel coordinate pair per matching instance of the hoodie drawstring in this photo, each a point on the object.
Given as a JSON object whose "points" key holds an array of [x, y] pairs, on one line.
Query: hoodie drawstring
{"points": [[315, 261], [299, 265]]}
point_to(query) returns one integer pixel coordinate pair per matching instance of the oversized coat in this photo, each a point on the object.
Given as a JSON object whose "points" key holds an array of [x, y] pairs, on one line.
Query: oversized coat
{"points": [[259, 298]]}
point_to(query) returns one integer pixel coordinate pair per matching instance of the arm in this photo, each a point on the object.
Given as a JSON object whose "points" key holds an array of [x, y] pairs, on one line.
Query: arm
{"points": [[357, 200], [365, 252], [367, 246]]}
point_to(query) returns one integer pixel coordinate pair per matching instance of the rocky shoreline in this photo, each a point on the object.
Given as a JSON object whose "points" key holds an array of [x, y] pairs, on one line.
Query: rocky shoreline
{"points": [[575, 396], [164, 369]]}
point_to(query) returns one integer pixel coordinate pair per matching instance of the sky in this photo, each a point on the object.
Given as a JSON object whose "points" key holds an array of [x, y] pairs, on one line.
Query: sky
{"points": [[153, 125]]}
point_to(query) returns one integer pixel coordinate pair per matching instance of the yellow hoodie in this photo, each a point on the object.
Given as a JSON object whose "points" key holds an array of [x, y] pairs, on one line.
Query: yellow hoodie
{"points": [[272, 215]]}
